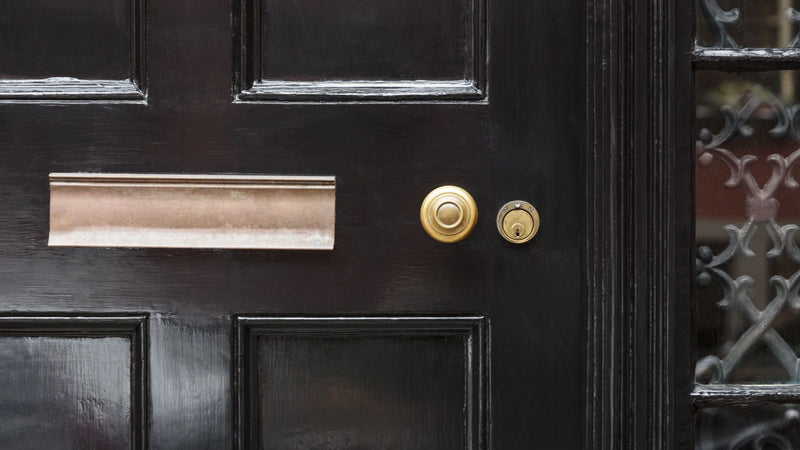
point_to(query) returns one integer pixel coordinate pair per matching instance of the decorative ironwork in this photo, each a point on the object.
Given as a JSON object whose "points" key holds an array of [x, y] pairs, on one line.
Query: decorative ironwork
{"points": [[775, 434], [793, 16], [761, 209], [718, 20]]}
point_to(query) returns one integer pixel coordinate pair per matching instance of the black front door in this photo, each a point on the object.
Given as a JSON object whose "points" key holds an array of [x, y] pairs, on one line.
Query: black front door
{"points": [[391, 340]]}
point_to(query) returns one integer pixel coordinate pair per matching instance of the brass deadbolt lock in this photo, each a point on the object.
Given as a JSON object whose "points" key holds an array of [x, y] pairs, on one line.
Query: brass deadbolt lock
{"points": [[448, 214], [518, 221]]}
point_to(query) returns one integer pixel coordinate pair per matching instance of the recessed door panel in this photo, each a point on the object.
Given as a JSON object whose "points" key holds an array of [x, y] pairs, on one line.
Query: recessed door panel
{"points": [[392, 383], [361, 50], [71, 383], [81, 49], [98, 47]]}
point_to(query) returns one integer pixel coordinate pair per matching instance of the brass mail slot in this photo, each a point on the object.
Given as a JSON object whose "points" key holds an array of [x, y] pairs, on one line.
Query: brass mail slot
{"points": [[192, 211]]}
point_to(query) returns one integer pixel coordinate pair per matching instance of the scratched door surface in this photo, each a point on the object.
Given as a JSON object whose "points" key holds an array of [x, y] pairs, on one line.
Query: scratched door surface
{"points": [[391, 340]]}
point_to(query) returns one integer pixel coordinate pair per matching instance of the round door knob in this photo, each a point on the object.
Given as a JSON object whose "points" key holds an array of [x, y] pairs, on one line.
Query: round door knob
{"points": [[448, 214]]}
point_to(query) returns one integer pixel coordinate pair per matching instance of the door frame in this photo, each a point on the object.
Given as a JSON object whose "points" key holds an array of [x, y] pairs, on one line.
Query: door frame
{"points": [[640, 206]]}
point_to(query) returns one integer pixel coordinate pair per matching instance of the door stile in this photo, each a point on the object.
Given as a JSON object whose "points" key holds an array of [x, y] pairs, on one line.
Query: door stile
{"points": [[640, 224], [602, 254]]}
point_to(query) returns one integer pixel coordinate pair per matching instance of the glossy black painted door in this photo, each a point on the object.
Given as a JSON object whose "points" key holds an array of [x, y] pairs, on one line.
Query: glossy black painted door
{"points": [[390, 341]]}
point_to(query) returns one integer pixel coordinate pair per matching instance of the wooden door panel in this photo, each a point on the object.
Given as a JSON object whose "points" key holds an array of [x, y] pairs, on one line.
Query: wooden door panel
{"points": [[73, 383], [518, 134], [358, 50], [87, 39], [391, 382], [86, 49], [363, 40]]}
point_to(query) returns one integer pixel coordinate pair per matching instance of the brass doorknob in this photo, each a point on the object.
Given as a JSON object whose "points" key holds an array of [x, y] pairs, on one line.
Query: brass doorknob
{"points": [[448, 214]]}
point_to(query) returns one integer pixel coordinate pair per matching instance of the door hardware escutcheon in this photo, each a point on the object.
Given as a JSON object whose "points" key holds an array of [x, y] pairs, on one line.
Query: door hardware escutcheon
{"points": [[448, 214], [518, 221]]}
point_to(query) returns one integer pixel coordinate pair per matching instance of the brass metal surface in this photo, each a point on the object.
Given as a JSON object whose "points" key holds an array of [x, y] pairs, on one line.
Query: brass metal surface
{"points": [[192, 211], [448, 214], [518, 221]]}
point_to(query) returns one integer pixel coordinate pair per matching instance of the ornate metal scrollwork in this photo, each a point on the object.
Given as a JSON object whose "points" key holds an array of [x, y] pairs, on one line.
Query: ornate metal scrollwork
{"points": [[719, 19], [761, 209], [775, 433], [793, 16]]}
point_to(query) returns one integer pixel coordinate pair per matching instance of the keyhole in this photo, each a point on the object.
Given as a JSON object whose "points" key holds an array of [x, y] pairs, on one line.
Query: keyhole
{"points": [[517, 230]]}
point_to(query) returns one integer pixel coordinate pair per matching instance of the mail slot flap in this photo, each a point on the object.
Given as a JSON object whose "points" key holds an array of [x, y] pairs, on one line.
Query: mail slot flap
{"points": [[192, 211]]}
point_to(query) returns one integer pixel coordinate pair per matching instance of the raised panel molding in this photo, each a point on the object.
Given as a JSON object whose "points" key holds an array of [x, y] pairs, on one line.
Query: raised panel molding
{"points": [[69, 330], [62, 87], [365, 358], [69, 89], [362, 90], [350, 78]]}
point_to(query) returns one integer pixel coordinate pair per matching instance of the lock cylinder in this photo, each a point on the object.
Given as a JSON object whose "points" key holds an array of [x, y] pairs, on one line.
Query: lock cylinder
{"points": [[518, 221]]}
